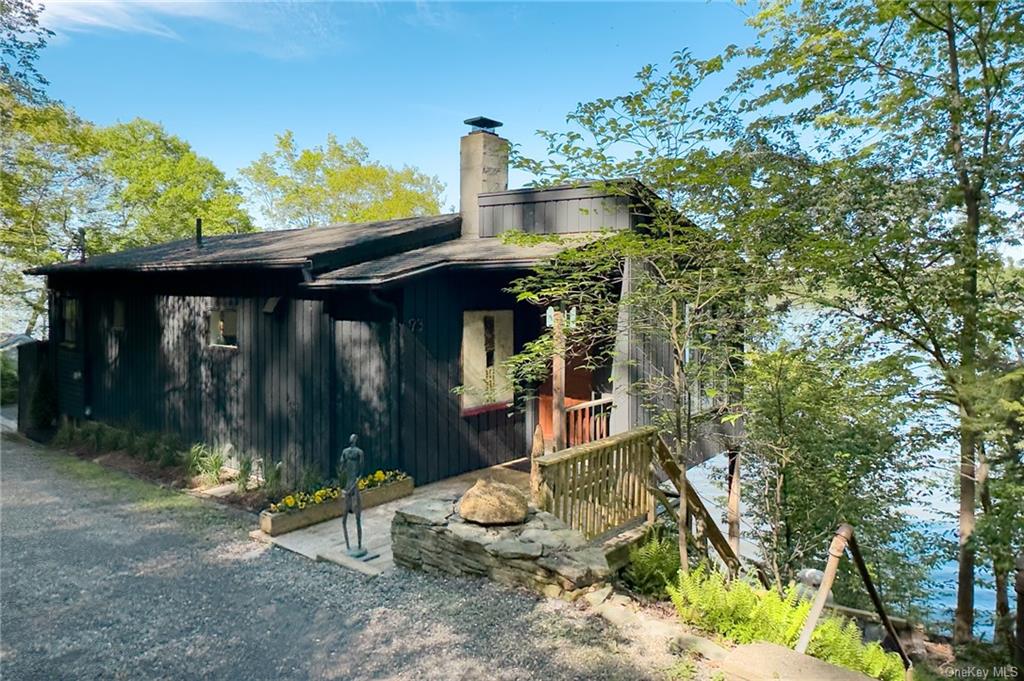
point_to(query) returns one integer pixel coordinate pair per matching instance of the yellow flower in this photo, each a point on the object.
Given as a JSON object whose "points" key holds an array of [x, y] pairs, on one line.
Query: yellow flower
{"points": [[289, 500]]}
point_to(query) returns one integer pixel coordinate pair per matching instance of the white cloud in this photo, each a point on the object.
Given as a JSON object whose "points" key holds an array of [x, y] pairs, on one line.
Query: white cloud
{"points": [[280, 30], [135, 16]]}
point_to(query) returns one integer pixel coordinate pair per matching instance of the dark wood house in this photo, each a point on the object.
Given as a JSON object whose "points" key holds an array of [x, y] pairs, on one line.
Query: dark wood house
{"points": [[281, 343]]}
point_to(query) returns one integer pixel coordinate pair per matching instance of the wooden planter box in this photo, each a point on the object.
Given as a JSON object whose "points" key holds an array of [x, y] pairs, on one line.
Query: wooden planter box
{"points": [[279, 523]]}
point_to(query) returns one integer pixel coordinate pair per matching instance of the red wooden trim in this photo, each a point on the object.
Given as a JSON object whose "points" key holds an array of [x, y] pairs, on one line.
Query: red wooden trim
{"points": [[494, 406]]}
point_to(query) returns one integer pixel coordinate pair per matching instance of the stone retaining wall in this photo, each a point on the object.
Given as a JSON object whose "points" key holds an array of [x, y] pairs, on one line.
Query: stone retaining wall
{"points": [[542, 553]]}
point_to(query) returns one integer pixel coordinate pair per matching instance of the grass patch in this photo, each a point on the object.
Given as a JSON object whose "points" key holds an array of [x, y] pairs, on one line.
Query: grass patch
{"points": [[140, 496]]}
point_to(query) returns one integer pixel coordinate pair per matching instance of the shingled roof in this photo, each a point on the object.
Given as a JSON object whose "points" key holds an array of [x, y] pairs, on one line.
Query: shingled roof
{"points": [[318, 248], [464, 253]]}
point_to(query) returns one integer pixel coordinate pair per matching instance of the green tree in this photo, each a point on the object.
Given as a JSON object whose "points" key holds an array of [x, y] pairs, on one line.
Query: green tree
{"points": [[698, 275], [21, 41], [831, 439], [53, 186], [908, 118], [335, 183], [159, 185], [128, 185], [673, 290]]}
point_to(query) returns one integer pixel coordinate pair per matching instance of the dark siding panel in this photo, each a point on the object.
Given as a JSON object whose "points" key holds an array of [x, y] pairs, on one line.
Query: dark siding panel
{"points": [[437, 441]]}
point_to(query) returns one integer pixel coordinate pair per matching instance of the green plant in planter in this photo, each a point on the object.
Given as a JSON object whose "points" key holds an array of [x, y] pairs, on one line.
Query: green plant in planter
{"points": [[653, 564]]}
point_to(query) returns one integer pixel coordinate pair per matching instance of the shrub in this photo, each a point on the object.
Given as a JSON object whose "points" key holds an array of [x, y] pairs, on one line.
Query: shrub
{"points": [[149, 446], [214, 462], [244, 473], [201, 459], [744, 612], [194, 457], [170, 454], [272, 477], [66, 435], [653, 564], [8, 380], [111, 439]]}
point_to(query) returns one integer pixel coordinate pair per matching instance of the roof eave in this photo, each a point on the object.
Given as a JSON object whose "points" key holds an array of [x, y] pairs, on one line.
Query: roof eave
{"points": [[84, 268], [322, 284]]}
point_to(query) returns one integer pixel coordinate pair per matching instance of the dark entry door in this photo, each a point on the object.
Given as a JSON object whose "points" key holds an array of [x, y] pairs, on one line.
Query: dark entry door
{"points": [[365, 398]]}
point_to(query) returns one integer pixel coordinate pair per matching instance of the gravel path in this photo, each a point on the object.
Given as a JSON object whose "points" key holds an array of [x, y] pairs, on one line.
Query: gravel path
{"points": [[106, 577]]}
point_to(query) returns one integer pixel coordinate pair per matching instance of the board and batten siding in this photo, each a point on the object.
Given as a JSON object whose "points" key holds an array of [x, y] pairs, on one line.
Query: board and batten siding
{"points": [[437, 440], [269, 397], [553, 211]]}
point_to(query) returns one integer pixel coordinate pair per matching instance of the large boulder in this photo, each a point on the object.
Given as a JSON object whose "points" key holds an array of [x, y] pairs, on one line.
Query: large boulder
{"points": [[493, 503]]}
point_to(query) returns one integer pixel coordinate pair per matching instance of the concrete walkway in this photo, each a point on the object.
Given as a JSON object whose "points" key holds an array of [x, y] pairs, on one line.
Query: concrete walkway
{"points": [[326, 541]]}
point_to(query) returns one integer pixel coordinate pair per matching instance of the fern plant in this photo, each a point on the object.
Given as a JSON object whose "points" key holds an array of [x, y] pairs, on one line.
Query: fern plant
{"points": [[653, 564], [743, 612]]}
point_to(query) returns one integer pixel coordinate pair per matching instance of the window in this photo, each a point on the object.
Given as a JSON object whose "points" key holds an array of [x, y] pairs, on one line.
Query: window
{"points": [[117, 315], [224, 327], [69, 319], [486, 344]]}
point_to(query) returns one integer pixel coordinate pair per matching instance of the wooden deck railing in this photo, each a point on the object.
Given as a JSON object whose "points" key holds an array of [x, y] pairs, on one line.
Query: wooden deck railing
{"points": [[601, 485], [587, 422]]}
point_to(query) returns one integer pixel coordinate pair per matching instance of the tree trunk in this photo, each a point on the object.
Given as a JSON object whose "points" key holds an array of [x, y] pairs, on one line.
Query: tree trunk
{"points": [[36, 311], [1003, 620], [963, 629], [734, 500], [678, 358]]}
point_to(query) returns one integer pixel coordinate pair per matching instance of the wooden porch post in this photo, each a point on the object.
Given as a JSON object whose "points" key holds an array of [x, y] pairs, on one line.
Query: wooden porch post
{"points": [[558, 380], [733, 511]]}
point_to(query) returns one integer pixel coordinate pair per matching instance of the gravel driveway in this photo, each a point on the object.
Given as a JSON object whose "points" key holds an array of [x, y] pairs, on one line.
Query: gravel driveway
{"points": [[106, 577]]}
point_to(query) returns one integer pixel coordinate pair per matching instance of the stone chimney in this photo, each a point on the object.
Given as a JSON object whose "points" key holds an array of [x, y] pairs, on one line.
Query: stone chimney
{"points": [[483, 167]]}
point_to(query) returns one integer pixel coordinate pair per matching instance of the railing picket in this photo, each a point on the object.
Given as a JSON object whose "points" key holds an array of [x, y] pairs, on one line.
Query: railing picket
{"points": [[600, 485]]}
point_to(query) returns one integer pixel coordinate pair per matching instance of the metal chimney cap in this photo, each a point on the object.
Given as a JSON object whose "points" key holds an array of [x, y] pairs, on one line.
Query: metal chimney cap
{"points": [[483, 123]]}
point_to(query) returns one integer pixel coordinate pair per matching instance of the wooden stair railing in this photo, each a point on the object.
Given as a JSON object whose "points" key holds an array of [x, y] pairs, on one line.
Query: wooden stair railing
{"points": [[842, 541], [694, 504]]}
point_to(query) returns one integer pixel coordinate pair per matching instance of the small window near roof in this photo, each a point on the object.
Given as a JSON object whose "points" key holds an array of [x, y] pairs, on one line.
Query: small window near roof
{"points": [[69, 319], [117, 318], [224, 327]]}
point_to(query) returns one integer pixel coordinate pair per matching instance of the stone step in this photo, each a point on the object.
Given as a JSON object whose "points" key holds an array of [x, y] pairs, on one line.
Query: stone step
{"points": [[772, 662]]}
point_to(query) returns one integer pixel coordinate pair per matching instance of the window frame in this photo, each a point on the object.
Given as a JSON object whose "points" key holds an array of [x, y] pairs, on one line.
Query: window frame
{"points": [[118, 306], [215, 315], [493, 353], [70, 340]]}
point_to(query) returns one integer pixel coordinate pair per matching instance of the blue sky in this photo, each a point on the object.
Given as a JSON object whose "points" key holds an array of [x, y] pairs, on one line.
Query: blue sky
{"points": [[401, 77]]}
